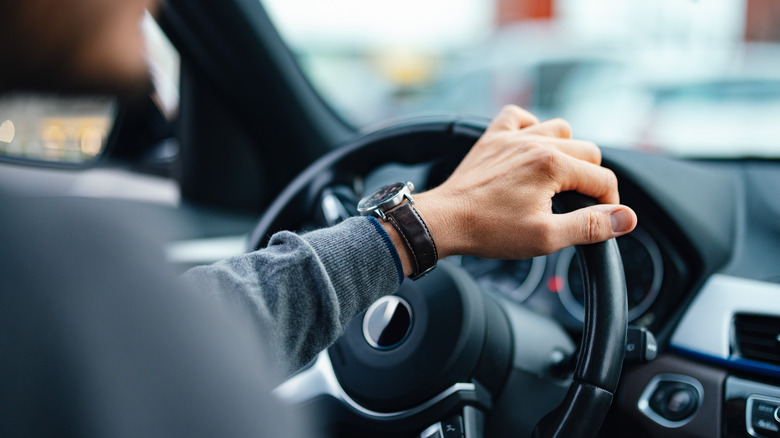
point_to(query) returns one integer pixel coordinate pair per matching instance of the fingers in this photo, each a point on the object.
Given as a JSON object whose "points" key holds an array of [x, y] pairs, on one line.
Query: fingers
{"points": [[571, 174], [512, 117], [583, 150], [591, 225], [558, 128], [557, 132]]}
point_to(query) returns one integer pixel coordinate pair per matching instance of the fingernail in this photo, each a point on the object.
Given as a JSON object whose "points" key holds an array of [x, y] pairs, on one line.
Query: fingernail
{"points": [[621, 220]]}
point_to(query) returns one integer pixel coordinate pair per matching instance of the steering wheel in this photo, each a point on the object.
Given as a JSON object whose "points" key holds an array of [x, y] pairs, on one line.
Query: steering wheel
{"points": [[448, 347]]}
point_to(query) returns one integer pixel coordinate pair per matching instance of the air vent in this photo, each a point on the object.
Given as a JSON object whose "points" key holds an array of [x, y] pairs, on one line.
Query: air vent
{"points": [[758, 338]]}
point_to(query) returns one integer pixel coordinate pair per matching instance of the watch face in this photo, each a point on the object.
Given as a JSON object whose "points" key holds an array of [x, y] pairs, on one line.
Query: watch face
{"points": [[381, 196]]}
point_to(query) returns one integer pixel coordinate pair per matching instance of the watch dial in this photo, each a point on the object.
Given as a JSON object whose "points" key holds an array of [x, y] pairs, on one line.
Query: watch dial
{"points": [[383, 194]]}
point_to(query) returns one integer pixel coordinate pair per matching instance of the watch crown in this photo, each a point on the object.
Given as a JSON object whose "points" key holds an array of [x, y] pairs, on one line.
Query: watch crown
{"points": [[410, 185]]}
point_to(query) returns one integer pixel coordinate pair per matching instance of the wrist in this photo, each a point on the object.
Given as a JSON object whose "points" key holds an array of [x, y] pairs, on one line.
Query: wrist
{"points": [[445, 218], [443, 221]]}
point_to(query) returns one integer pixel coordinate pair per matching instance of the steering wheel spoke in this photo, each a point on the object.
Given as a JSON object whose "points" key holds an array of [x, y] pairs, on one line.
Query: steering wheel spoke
{"points": [[319, 380]]}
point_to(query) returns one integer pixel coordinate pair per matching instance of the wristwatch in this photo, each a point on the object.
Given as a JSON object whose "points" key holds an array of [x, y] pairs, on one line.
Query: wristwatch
{"points": [[393, 203]]}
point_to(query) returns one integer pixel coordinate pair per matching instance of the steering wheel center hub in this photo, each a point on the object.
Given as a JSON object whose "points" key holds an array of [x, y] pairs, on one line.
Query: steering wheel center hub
{"points": [[409, 347], [387, 323]]}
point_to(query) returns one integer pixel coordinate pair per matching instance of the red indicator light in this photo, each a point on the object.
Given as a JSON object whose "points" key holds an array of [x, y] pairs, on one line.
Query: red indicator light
{"points": [[555, 283]]}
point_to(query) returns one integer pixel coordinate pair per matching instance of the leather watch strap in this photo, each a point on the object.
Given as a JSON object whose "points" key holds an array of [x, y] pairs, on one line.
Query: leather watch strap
{"points": [[417, 237]]}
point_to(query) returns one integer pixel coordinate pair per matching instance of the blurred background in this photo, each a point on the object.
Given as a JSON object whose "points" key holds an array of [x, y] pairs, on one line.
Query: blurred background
{"points": [[693, 78]]}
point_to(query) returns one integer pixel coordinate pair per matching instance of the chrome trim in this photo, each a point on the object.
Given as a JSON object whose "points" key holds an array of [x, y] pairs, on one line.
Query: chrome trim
{"points": [[519, 294], [749, 413], [577, 310], [393, 302], [433, 431], [652, 385], [707, 324], [570, 303], [332, 209], [404, 193], [320, 380], [737, 388], [741, 388], [532, 280]]}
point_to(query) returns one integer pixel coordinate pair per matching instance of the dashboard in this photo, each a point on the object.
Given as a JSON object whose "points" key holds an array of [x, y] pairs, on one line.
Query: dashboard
{"points": [[703, 257], [553, 285]]}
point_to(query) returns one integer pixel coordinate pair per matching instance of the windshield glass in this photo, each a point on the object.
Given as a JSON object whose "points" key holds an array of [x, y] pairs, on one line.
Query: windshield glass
{"points": [[678, 77]]}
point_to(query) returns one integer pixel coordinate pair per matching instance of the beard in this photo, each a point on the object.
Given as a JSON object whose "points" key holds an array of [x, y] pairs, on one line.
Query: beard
{"points": [[45, 47], [53, 78]]}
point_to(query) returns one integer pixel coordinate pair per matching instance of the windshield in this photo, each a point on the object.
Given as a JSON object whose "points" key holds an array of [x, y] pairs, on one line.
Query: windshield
{"points": [[678, 77]]}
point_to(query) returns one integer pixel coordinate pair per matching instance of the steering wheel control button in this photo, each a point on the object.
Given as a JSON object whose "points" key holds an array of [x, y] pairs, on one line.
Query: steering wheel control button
{"points": [[762, 416], [765, 428], [453, 427], [641, 345], [434, 431], [681, 403], [671, 400], [675, 401], [387, 322]]}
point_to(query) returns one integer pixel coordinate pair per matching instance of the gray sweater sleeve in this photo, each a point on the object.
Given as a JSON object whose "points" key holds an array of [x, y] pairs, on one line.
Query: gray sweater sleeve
{"points": [[301, 291]]}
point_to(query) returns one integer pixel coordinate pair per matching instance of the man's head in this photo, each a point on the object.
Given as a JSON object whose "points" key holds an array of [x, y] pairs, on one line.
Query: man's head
{"points": [[78, 45]]}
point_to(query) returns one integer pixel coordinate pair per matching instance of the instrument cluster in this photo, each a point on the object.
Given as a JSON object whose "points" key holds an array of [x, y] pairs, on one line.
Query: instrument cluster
{"points": [[553, 284]]}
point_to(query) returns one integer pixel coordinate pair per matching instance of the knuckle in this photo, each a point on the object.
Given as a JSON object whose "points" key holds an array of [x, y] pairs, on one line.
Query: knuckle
{"points": [[594, 227], [546, 159], [529, 144], [563, 127], [511, 109], [519, 114]]}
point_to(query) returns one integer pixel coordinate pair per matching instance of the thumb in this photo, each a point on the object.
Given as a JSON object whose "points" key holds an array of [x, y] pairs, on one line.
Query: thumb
{"points": [[594, 224]]}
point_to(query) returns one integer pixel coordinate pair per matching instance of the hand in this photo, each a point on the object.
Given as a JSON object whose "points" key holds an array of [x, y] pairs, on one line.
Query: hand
{"points": [[498, 202]]}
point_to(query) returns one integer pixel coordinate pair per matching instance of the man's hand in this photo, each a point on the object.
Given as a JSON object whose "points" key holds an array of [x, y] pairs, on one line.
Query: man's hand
{"points": [[498, 202]]}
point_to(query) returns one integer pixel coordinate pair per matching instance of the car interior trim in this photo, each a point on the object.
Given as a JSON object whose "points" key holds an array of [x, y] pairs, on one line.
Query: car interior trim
{"points": [[532, 280], [320, 380], [98, 183], [205, 251], [749, 392], [576, 309], [644, 400], [739, 364], [707, 325], [749, 412]]}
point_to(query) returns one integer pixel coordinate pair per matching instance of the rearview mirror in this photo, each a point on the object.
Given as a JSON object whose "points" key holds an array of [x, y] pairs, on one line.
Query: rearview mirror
{"points": [[69, 129]]}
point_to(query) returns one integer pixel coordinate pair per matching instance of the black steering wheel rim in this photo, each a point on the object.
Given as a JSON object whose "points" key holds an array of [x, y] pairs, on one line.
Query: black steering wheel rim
{"points": [[424, 139]]}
